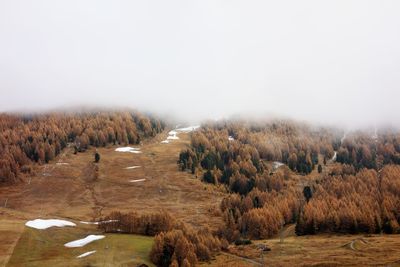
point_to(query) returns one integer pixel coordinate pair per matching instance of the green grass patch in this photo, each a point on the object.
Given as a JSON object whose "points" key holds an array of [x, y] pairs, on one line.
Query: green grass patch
{"points": [[46, 248]]}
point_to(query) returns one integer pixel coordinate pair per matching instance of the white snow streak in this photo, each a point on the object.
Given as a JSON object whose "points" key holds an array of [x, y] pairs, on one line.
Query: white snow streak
{"points": [[86, 254], [44, 224], [84, 241]]}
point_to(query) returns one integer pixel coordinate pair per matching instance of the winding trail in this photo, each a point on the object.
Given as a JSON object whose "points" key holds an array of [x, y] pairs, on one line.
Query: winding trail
{"points": [[352, 245], [342, 139], [333, 159], [255, 263], [353, 242]]}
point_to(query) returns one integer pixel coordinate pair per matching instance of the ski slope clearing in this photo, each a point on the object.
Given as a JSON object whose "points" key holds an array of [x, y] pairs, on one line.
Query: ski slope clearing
{"points": [[165, 188], [84, 241], [44, 224]]}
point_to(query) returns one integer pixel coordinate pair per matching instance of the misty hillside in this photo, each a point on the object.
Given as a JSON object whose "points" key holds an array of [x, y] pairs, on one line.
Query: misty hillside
{"points": [[203, 194], [199, 133], [39, 139]]}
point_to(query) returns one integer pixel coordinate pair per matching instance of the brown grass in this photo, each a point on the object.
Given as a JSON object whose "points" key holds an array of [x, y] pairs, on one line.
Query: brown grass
{"points": [[67, 191], [325, 250], [11, 227]]}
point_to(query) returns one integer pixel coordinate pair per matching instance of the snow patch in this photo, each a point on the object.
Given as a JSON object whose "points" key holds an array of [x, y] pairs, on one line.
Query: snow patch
{"points": [[188, 129], [173, 135], [230, 138], [96, 223], [277, 164], [44, 224], [334, 156], [86, 254], [62, 163], [132, 167], [82, 222], [138, 180], [128, 149], [342, 139], [375, 135], [84, 241]]}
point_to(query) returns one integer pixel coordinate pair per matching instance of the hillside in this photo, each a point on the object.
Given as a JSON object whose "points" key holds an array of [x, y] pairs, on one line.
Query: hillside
{"points": [[146, 180], [64, 188]]}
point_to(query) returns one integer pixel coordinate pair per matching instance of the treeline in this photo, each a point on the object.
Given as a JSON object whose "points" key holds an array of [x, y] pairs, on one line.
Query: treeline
{"points": [[372, 152], [368, 202], [259, 215], [239, 163], [185, 247], [133, 223], [26, 139], [175, 244]]}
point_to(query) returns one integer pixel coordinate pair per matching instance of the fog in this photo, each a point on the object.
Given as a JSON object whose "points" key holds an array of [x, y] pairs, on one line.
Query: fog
{"points": [[323, 61]]}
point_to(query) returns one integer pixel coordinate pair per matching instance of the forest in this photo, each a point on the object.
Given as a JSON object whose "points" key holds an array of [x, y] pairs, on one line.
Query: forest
{"points": [[26, 140], [359, 194], [175, 243], [239, 161], [272, 173], [367, 202], [365, 151]]}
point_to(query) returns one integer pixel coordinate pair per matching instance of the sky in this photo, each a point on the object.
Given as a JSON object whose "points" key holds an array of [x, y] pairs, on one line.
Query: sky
{"points": [[325, 61]]}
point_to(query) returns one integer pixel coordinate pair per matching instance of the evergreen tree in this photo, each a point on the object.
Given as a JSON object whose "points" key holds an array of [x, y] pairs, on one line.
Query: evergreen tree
{"points": [[307, 192], [209, 177], [96, 157]]}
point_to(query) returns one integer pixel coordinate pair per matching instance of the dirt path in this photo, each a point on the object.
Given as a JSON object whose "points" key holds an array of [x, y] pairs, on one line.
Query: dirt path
{"points": [[255, 263], [352, 245], [287, 231]]}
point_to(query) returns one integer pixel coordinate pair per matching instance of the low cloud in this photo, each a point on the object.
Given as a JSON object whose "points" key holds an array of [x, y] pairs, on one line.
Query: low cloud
{"points": [[335, 63]]}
